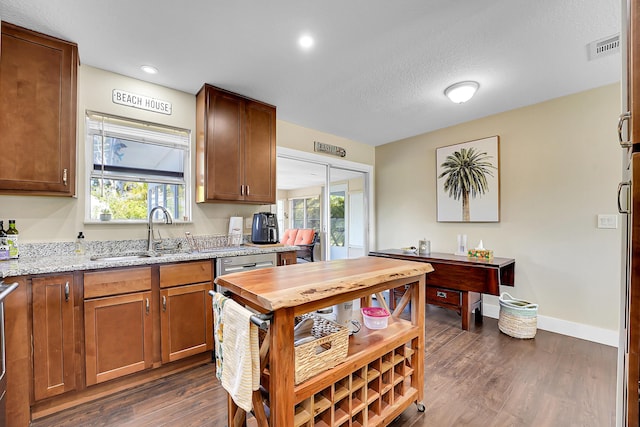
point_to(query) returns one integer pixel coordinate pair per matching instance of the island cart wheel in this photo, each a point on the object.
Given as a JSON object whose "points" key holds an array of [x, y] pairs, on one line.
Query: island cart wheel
{"points": [[420, 406]]}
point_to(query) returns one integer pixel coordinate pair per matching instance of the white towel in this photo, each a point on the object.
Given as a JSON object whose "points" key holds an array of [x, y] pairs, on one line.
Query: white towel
{"points": [[237, 351]]}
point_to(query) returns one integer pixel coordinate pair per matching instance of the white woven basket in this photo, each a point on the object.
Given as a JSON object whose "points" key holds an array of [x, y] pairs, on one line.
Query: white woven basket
{"points": [[518, 318]]}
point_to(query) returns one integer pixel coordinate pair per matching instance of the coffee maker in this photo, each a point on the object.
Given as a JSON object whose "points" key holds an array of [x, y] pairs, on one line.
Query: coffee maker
{"points": [[265, 228]]}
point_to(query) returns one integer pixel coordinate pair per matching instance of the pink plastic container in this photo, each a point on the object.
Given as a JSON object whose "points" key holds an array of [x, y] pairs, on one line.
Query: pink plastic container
{"points": [[375, 317]]}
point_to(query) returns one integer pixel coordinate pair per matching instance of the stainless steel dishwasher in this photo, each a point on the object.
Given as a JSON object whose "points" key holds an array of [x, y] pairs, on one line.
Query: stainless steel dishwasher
{"points": [[236, 264]]}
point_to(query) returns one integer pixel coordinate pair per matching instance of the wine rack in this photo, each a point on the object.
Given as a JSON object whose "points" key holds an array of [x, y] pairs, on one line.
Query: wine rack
{"points": [[366, 396]]}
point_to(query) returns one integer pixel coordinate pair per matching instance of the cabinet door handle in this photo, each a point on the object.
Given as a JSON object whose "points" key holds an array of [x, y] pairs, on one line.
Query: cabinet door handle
{"points": [[64, 176], [66, 292], [620, 210], [247, 190], [164, 303], [242, 190], [147, 305], [623, 118]]}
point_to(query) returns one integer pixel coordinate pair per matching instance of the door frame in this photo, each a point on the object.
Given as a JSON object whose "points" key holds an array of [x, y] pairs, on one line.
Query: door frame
{"points": [[329, 162]]}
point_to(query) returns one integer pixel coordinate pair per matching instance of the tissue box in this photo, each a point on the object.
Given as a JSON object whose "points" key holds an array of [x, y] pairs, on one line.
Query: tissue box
{"points": [[480, 253]]}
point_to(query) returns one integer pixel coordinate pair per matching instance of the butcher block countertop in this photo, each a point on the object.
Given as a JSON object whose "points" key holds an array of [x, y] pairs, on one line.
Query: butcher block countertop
{"points": [[298, 284]]}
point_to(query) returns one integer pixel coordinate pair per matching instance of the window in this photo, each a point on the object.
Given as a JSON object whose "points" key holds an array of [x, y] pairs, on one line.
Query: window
{"points": [[336, 230], [306, 213], [134, 166]]}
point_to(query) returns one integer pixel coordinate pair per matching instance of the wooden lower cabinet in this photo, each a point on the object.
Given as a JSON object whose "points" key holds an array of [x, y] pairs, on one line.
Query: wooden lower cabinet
{"points": [[118, 336], [186, 313], [186, 320], [53, 336]]}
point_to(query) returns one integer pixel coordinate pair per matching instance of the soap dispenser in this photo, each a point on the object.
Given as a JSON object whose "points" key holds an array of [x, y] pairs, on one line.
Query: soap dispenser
{"points": [[80, 244]]}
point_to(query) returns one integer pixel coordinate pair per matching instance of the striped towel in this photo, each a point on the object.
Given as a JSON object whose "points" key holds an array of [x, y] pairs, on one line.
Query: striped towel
{"points": [[237, 350]]}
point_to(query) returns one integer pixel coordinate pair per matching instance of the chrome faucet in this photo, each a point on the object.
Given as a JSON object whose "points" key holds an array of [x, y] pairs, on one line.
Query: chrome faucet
{"points": [[151, 243]]}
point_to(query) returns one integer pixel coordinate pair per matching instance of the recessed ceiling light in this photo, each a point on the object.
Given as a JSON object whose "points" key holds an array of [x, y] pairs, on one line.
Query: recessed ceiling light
{"points": [[149, 69], [305, 41]]}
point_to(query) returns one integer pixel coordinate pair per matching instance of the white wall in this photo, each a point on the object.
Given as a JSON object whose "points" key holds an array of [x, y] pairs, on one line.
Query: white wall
{"points": [[559, 168], [300, 138]]}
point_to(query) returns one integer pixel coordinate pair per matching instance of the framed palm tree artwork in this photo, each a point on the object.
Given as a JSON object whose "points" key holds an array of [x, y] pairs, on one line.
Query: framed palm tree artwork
{"points": [[468, 181]]}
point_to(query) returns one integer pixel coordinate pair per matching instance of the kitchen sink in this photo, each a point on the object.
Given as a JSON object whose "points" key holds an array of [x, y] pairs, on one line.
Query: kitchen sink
{"points": [[124, 257]]}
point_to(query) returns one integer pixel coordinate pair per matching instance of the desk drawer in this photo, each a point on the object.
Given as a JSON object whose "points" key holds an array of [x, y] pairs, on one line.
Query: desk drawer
{"points": [[441, 296]]}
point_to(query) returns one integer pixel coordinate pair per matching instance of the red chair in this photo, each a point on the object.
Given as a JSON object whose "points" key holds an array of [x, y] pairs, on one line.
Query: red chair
{"points": [[306, 240]]}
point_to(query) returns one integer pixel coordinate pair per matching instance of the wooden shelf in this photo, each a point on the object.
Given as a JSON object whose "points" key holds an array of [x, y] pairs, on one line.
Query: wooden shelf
{"points": [[301, 417]]}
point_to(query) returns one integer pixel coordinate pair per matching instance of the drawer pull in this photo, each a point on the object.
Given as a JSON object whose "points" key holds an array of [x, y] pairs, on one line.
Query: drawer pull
{"points": [[441, 294], [66, 292], [623, 118], [164, 303]]}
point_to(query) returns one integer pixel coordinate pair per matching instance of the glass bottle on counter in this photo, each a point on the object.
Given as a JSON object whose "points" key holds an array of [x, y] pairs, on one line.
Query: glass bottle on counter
{"points": [[12, 240], [80, 250], [4, 247]]}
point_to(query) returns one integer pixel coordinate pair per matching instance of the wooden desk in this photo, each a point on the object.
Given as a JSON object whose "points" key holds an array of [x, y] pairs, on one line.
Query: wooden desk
{"points": [[383, 372], [458, 282]]}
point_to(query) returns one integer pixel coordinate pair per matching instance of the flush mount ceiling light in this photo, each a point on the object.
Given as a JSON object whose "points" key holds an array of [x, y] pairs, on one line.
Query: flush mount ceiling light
{"points": [[149, 69], [462, 91], [305, 42]]}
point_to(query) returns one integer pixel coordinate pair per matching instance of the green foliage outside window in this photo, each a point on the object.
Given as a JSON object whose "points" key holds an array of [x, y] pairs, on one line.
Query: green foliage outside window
{"points": [[336, 232]]}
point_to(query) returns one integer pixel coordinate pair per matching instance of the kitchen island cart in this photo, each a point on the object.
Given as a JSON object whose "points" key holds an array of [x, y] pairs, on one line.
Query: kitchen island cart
{"points": [[383, 372]]}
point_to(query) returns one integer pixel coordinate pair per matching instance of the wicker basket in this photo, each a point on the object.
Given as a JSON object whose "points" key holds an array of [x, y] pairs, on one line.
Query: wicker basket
{"points": [[518, 318], [326, 351]]}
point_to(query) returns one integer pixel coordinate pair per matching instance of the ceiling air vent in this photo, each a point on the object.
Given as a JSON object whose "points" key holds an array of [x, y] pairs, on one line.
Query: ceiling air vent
{"points": [[604, 47]]}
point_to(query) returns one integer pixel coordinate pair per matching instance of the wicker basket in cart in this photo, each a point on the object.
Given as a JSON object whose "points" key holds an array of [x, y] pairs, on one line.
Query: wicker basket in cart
{"points": [[326, 351], [518, 318]]}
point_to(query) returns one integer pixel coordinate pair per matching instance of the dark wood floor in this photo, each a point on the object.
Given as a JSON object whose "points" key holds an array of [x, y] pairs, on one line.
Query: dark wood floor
{"points": [[472, 378]]}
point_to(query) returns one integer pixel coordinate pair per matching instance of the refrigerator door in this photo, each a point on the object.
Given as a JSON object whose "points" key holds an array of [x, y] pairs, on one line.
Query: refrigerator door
{"points": [[624, 207]]}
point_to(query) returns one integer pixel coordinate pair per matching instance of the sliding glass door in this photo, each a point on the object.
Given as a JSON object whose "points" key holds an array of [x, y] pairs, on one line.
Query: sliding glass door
{"points": [[339, 215], [347, 214]]}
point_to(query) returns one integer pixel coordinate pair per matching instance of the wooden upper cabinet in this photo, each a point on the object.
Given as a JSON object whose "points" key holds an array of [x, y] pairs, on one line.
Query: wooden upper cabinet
{"points": [[631, 92], [38, 78], [260, 153], [235, 148]]}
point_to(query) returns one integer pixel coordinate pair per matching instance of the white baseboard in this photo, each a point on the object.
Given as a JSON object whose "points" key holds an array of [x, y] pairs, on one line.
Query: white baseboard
{"points": [[565, 327]]}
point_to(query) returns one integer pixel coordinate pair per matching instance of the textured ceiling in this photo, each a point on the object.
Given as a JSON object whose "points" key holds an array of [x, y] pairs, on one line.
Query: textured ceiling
{"points": [[378, 69]]}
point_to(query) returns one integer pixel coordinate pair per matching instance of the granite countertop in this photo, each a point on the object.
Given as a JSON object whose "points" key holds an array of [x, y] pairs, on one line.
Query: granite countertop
{"points": [[59, 257]]}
